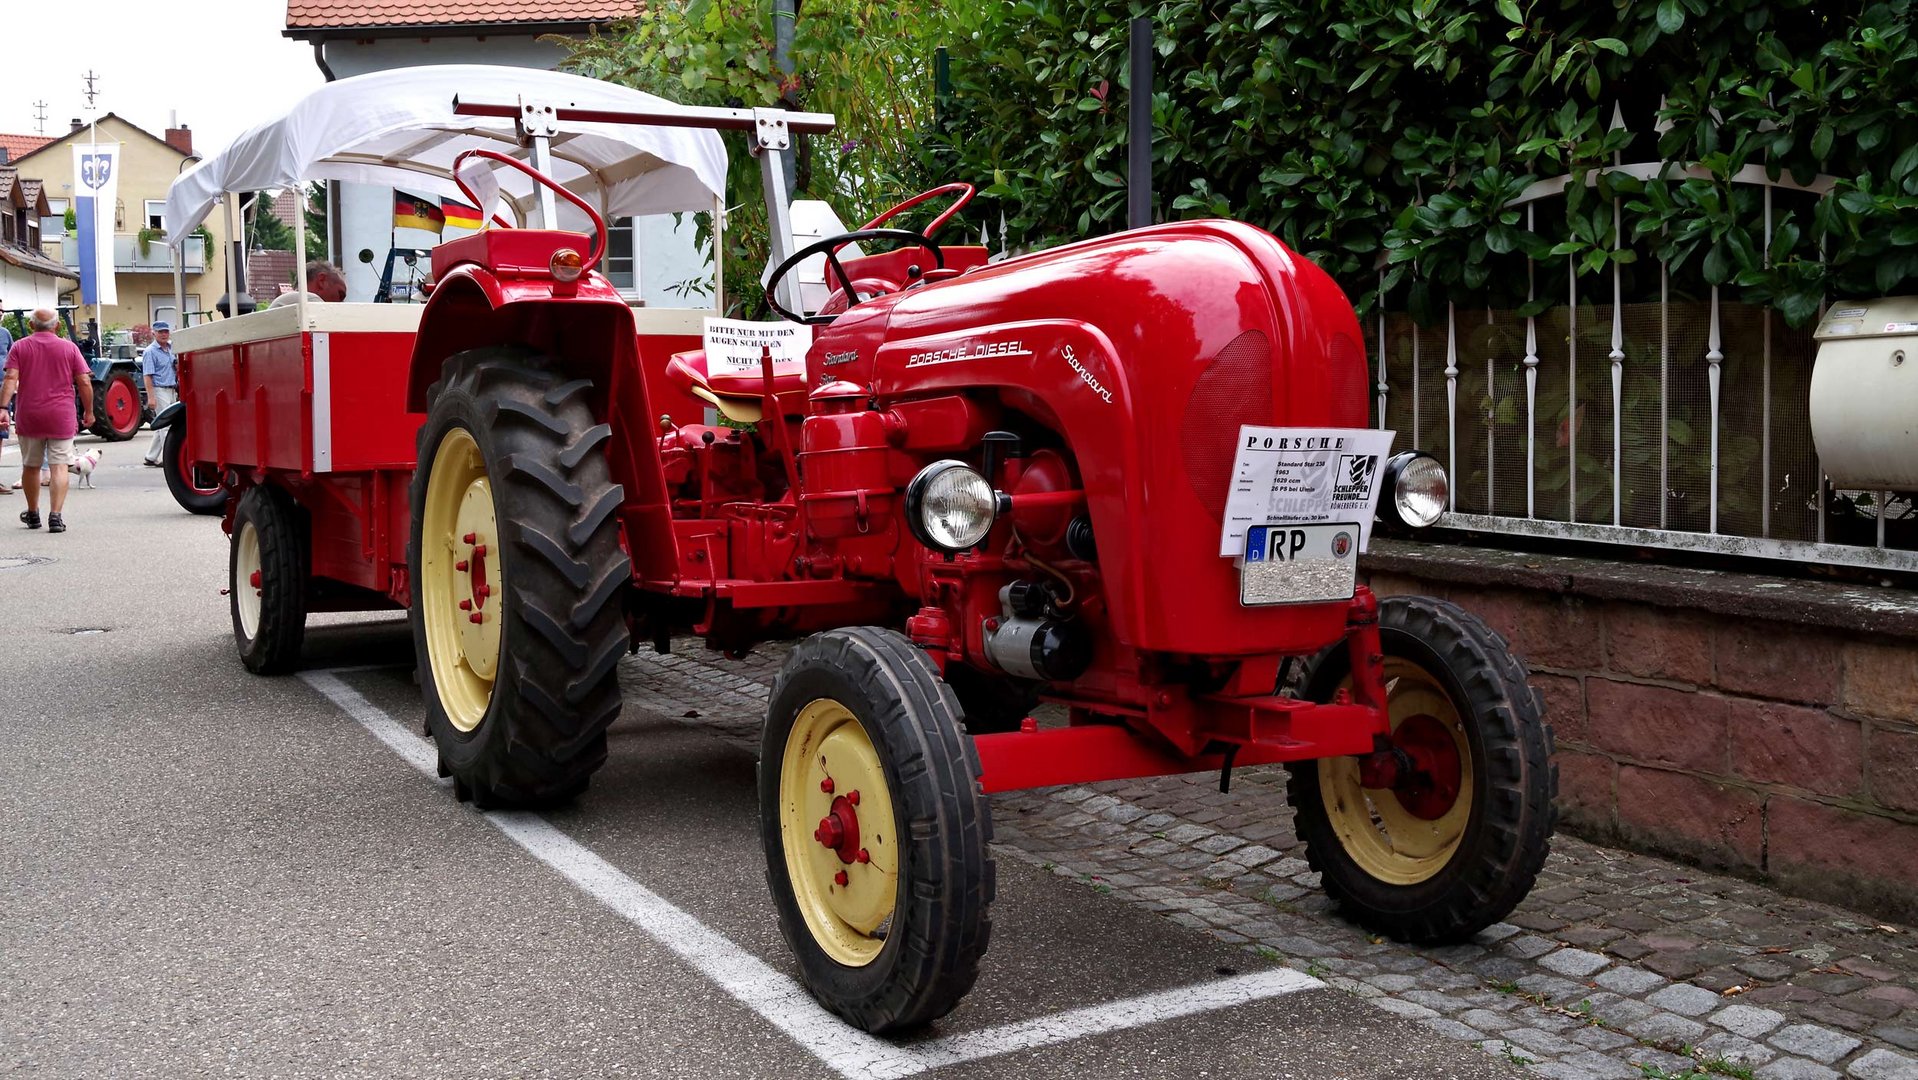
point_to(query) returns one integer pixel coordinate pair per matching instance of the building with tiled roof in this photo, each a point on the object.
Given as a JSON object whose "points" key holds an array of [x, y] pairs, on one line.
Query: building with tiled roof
{"points": [[142, 265], [28, 278], [15, 147], [312, 18], [268, 273]]}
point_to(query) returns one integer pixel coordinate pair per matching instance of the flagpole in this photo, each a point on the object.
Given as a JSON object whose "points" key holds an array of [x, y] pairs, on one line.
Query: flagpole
{"points": [[93, 146]]}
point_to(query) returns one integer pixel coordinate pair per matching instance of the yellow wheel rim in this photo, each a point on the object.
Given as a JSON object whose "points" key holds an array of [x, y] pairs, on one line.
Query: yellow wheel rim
{"points": [[836, 826], [246, 583], [1381, 835], [460, 569]]}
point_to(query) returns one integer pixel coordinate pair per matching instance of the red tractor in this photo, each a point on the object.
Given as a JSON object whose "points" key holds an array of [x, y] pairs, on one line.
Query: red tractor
{"points": [[987, 484]]}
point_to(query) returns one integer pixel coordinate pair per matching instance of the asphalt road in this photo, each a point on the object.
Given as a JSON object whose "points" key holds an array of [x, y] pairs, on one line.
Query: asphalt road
{"points": [[204, 873]]}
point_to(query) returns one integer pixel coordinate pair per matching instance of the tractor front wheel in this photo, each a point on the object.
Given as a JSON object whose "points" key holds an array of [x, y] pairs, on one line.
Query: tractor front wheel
{"points": [[1458, 840], [267, 580], [517, 579], [875, 829]]}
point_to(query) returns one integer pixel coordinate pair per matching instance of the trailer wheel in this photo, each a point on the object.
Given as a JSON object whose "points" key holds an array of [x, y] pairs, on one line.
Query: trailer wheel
{"points": [[1456, 850], [517, 579], [195, 487], [875, 829], [267, 580], [117, 417]]}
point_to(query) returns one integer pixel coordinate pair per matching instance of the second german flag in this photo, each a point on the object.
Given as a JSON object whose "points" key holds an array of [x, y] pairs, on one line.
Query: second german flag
{"points": [[459, 214]]}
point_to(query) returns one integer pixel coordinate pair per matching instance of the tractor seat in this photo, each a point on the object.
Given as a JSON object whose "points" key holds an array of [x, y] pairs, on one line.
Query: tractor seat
{"points": [[740, 395]]}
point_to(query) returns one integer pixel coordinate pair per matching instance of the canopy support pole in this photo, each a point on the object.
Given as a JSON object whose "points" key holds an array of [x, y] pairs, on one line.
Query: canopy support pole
{"points": [[773, 141], [231, 202], [299, 252]]}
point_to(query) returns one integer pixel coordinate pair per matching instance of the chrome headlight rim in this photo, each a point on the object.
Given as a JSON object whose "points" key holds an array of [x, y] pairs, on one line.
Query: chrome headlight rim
{"points": [[1390, 498], [921, 486]]}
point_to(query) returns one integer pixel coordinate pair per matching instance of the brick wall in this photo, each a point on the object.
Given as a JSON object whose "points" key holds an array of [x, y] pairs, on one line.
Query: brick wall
{"points": [[1776, 750]]}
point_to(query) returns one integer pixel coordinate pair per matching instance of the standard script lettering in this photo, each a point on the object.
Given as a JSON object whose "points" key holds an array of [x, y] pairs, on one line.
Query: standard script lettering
{"points": [[1087, 377], [977, 350]]}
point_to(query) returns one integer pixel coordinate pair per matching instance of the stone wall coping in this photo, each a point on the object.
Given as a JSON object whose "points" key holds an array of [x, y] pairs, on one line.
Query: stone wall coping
{"points": [[1824, 604]]}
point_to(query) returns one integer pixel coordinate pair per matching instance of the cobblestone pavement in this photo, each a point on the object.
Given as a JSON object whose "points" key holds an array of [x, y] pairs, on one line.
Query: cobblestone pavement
{"points": [[1617, 964]]}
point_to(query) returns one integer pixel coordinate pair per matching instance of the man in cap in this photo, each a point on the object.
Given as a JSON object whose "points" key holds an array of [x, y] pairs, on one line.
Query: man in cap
{"points": [[163, 385]]}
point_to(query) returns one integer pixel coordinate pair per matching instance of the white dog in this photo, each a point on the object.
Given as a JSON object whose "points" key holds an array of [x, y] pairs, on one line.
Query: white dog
{"points": [[81, 466]]}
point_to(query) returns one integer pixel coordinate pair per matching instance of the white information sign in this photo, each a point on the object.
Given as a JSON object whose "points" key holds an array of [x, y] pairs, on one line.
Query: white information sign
{"points": [[1304, 476], [733, 346]]}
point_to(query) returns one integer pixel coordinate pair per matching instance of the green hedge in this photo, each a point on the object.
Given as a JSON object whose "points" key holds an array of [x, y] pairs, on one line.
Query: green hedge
{"points": [[1373, 134]]}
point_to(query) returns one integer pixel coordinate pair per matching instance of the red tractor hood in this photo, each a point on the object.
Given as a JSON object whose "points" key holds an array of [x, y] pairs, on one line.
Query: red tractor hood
{"points": [[1146, 351]]}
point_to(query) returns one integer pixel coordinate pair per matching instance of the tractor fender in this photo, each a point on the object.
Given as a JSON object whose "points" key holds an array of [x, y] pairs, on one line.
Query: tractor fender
{"points": [[166, 417], [588, 328]]}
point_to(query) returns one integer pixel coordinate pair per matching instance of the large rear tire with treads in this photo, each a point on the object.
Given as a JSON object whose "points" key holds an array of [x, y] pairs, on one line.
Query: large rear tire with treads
{"points": [[518, 578]]}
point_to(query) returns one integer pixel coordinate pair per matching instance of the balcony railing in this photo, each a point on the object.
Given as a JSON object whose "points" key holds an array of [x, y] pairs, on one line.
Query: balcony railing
{"points": [[127, 258]]}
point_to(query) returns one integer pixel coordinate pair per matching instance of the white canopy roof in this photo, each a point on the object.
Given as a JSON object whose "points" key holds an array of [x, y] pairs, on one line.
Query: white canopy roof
{"points": [[398, 128]]}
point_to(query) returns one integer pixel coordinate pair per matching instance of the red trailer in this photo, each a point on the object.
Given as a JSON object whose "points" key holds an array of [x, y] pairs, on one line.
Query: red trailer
{"points": [[1129, 476]]}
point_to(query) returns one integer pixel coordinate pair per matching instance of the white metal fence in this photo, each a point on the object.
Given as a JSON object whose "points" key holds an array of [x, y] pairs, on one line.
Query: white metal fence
{"points": [[1669, 414]]}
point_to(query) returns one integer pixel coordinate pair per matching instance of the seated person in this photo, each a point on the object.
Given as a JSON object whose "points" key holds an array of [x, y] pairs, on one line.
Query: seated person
{"points": [[324, 284]]}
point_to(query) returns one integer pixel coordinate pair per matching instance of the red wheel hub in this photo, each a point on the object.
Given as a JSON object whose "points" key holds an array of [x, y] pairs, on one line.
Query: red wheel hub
{"points": [[1430, 788], [122, 406], [839, 830]]}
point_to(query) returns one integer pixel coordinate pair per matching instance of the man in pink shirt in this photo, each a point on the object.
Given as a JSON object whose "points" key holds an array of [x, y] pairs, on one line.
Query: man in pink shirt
{"points": [[43, 372]]}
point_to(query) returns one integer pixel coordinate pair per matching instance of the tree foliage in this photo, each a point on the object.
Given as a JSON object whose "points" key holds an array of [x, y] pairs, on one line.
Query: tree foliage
{"points": [[1382, 136], [865, 61]]}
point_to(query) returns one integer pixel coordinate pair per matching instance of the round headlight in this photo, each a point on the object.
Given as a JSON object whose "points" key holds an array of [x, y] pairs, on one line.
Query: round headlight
{"points": [[950, 506], [1420, 489]]}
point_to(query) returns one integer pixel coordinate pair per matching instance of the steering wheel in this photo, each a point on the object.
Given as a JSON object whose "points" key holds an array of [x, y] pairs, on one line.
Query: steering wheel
{"points": [[829, 246], [964, 191]]}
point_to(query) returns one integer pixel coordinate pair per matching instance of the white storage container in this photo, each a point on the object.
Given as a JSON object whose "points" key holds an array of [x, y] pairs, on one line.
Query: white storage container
{"points": [[1864, 394]]}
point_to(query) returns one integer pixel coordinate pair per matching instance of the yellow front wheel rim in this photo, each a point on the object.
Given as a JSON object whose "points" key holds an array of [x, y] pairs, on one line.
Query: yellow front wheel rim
{"points": [[1387, 840], [460, 577], [836, 826]]}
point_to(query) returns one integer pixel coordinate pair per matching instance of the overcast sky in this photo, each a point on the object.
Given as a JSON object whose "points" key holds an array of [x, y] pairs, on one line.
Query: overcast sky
{"points": [[221, 64]]}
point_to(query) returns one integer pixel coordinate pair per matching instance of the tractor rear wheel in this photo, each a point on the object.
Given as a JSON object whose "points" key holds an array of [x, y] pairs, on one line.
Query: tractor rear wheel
{"points": [[1454, 847], [117, 407], [267, 580], [517, 577], [875, 829]]}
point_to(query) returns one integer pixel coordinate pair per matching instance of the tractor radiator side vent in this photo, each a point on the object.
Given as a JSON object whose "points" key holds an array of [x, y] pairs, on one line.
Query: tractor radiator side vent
{"points": [[1234, 389]]}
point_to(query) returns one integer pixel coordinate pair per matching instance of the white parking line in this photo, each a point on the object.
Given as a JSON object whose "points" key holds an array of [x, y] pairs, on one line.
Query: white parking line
{"points": [[777, 997]]}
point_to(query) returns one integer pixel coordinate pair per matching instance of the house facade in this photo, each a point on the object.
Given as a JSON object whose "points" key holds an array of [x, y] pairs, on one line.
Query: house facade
{"points": [[142, 264], [646, 258], [28, 278]]}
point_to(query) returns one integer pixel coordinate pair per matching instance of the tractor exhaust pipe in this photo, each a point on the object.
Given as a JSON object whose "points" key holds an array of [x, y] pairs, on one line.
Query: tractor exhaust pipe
{"points": [[1139, 128]]}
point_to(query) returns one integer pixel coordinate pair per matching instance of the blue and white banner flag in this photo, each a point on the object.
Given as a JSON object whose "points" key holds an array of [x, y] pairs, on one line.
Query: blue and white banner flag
{"points": [[96, 189]]}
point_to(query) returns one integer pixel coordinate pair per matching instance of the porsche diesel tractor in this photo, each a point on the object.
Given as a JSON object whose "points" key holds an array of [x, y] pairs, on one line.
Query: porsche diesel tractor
{"points": [[1128, 477]]}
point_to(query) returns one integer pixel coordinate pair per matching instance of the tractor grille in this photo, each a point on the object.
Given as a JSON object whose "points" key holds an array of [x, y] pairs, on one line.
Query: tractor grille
{"points": [[1235, 389]]}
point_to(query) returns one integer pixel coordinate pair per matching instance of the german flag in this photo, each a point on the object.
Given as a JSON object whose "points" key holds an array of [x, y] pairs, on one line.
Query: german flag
{"points": [[460, 214], [415, 212]]}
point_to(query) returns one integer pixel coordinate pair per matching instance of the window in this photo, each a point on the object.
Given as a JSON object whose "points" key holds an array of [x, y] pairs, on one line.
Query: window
{"points": [[156, 209], [621, 264]]}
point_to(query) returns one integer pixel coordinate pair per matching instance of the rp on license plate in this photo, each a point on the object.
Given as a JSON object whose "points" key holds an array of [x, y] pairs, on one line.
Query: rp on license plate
{"points": [[1299, 564]]}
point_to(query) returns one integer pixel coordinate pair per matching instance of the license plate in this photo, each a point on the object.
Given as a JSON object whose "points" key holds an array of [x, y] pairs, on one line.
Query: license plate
{"points": [[1299, 564]]}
